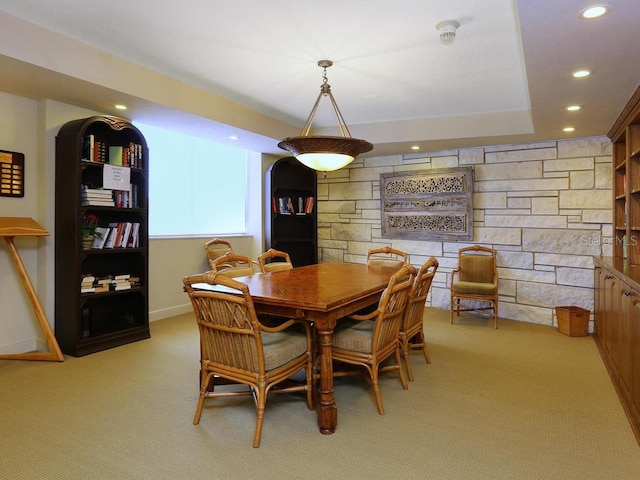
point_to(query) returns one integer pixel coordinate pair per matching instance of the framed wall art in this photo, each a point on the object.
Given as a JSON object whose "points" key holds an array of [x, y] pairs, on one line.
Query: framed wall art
{"points": [[434, 204]]}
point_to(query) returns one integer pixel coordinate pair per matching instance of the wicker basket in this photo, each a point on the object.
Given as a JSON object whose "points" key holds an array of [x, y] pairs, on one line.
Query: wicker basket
{"points": [[573, 321]]}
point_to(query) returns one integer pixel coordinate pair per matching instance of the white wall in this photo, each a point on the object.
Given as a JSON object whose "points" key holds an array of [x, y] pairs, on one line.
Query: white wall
{"points": [[534, 203], [30, 127], [545, 207], [19, 133]]}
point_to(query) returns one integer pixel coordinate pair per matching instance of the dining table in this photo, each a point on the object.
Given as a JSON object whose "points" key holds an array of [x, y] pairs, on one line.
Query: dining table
{"points": [[321, 294]]}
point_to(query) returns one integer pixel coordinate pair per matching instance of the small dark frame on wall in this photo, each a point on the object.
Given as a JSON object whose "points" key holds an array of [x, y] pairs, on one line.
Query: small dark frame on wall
{"points": [[434, 204], [11, 174]]}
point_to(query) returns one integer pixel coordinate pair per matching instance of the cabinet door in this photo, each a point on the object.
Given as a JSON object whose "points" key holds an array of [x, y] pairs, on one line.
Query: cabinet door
{"points": [[612, 324], [627, 299], [635, 353], [598, 302]]}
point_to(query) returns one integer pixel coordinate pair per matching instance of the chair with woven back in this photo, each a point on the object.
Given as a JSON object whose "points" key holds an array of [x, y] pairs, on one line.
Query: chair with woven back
{"points": [[412, 327], [475, 280], [368, 340], [234, 265], [386, 256], [236, 347], [216, 248], [274, 260]]}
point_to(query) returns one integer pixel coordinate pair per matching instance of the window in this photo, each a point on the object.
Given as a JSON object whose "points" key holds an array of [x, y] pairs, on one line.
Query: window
{"points": [[196, 186]]}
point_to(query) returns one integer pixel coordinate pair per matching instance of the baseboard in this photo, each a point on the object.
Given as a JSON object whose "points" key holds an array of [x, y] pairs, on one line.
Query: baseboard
{"points": [[170, 312]]}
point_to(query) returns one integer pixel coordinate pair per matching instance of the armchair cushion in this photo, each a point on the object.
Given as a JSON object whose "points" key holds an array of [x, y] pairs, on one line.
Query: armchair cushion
{"points": [[280, 347]]}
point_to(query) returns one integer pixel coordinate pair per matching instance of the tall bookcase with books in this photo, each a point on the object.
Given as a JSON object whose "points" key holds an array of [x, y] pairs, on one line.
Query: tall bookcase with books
{"points": [[291, 222], [101, 297], [625, 135]]}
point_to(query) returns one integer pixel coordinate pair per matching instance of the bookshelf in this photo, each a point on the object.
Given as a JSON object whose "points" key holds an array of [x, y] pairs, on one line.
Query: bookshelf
{"points": [[101, 173], [291, 221], [625, 135]]}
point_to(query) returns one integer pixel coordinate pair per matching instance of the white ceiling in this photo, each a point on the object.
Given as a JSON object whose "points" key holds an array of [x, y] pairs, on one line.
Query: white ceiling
{"points": [[505, 79]]}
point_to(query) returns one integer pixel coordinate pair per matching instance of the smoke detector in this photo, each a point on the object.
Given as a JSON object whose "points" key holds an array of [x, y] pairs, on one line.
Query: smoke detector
{"points": [[447, 29]]}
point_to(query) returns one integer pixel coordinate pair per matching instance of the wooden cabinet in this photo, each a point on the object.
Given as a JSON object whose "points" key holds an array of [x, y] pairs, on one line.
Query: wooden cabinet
{"points": [[291, 221], [617, 332], [625, 135], [109, 155]]}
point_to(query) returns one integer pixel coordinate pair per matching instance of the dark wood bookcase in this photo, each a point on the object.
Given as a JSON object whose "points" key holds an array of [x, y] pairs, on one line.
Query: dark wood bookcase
{"points": [[291, 221], [625, 135], [90, 322]]}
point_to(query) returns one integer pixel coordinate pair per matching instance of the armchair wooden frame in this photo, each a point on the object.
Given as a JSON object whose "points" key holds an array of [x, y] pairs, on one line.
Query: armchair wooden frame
{"points": [[235, 346], [387, 256], [374, 337], [475, 279], [412, 328], [234, 265], [216, 248], [274, 260]]}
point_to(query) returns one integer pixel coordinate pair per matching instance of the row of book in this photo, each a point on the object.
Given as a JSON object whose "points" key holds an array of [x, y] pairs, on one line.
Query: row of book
{"points": [[94, 150], [92, 284], [105, 197], [117, 235], [287, 206]]}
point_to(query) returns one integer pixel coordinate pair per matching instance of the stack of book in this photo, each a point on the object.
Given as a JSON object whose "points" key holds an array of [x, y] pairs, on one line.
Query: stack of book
{"points": [[98, 197], [121, 282], [92, 284], [87, 284]]}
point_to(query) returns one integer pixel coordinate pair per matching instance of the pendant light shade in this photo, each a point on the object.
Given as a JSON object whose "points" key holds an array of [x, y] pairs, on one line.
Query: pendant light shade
{"points": [[325, 153]]}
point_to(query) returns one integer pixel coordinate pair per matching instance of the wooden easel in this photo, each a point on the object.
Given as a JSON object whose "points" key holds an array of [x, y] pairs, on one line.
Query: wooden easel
{"points": [[11, 227]]}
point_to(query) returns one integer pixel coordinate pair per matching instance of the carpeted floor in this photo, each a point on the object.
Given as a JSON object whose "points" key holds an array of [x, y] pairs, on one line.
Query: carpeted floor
{"points": [[520, 402]]}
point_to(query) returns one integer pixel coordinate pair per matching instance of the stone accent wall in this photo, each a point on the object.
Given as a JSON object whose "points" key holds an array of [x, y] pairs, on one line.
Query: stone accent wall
{"points": [[545, 207]]}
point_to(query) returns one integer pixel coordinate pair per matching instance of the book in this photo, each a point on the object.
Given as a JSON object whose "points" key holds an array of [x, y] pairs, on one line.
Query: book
{"points": [[126, 233], [111, 238], [135, 242], [122, 285], [122, 276], [99, 240], [115, 155]]}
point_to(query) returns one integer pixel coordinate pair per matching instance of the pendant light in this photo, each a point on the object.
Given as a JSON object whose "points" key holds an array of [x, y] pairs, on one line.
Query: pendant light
{"points": [[325, 153]]}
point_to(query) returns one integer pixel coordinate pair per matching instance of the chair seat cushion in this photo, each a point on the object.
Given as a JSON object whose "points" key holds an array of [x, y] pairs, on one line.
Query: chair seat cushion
{"points": [[474, 288], [282, 347], [354, 335]]}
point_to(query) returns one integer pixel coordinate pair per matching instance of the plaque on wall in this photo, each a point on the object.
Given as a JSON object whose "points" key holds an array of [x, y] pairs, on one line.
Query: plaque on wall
{"points": [[11, 174], [434, 204]]}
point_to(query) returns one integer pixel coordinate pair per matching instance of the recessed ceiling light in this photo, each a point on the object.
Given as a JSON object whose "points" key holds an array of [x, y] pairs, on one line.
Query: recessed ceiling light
{"points": [[595, 11], [119, 106], [573, 108], [568, 129], [415, 147], [581, 73], [234, 137]]}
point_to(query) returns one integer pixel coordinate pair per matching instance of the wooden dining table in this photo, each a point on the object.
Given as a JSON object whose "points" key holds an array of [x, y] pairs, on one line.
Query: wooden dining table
{"points": [[322, 294]]}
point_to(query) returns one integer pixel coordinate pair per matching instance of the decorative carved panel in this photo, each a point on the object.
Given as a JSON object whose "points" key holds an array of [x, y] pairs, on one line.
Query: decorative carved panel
{"points": [[432, 204]]}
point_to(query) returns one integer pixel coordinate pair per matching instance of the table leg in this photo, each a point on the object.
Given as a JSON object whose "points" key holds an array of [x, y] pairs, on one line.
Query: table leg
{"points": [[327, 409]]}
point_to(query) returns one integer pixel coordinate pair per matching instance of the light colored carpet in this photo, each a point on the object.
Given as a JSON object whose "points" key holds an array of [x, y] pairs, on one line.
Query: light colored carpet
{"points": [[520, 402]]}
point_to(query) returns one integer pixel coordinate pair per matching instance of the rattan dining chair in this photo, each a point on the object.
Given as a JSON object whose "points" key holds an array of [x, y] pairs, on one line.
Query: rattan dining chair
{"points": [[216, 248], [368, 340], [412, 327], [236, 347], [274, 260], [475, 280], [234, 265], [386, 256]]}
